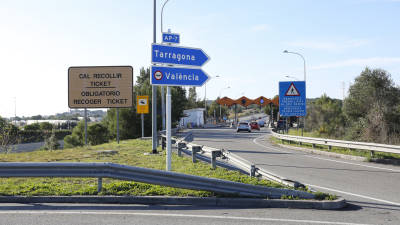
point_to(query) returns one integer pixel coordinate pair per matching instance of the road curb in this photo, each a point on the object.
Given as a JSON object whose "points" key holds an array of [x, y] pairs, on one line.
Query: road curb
{"points": [[162, 200], [331, 154]]}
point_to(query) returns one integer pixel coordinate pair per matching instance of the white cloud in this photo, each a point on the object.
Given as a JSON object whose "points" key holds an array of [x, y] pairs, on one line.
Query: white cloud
{"points": [[329, 45], [260, 27], [375, 61]]}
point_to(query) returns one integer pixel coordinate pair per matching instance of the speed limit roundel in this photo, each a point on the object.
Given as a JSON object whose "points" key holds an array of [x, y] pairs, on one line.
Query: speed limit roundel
{"points": [[158, 75]]}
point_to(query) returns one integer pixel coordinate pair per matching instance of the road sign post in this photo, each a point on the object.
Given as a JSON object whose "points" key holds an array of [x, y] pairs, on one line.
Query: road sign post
{"points": [[176, 76], [142, 107]]}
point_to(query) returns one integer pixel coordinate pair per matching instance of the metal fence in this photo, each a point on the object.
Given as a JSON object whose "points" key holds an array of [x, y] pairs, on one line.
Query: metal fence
{"points": [[339, 143], [145, 175]]}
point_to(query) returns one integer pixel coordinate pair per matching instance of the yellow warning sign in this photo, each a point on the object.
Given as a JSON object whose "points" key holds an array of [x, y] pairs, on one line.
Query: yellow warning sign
{"points": [[142, 104]]}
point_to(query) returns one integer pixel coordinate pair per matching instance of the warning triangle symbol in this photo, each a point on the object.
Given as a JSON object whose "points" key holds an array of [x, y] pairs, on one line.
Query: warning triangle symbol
{"points": [[292, 91]]}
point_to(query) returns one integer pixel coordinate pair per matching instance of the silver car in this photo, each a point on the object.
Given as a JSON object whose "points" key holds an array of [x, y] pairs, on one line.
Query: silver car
{"points": [[243, 126]]}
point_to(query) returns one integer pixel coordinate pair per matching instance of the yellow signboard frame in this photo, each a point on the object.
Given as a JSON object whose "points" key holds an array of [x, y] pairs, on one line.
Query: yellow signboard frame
{"points": [[142, 104]]}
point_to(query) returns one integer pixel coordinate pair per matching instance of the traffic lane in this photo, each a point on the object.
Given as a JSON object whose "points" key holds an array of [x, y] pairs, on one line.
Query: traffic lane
{"points": [[218, 137], [176, 215], [30, 147], [374, 182], [341, 175]]}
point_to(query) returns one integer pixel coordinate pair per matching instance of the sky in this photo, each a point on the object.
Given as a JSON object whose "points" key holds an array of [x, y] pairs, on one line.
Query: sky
{"points": [[245, 40]]}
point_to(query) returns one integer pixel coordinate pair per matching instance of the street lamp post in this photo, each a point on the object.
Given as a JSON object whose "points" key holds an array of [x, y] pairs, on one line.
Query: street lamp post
{"points": [[162, 87], [304, 63], [220, 98]]}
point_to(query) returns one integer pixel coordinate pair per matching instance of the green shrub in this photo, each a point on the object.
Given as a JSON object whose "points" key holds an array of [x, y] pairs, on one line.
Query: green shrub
{"points": [[71, 141], [97, 134]]}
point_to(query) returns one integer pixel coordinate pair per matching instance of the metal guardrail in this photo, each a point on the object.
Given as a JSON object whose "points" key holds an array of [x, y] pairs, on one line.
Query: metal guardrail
{"points": [[145, 175], [339, 143], [230, 158]]}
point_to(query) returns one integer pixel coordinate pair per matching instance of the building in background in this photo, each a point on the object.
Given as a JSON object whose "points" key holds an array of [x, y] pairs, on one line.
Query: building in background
{"points": [[192, 118]]}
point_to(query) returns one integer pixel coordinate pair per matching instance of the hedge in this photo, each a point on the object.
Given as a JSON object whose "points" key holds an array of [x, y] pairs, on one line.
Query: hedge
{"points": [[29, 136]]}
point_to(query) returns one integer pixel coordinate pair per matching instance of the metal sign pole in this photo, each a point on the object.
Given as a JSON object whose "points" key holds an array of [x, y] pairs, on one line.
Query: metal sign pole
{"points": [[142, 116], [169, 150], [163, 107], [85, 126], [154, 93], [118, 125]]}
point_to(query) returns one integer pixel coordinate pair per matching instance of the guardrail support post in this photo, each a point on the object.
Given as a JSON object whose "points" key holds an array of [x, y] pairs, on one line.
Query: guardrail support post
{"points": [[372, 154], [329, 147], [253, 171], [313, 145], [195, 150], [181, 146], [99, 184], [214, 155], [163, 143]]}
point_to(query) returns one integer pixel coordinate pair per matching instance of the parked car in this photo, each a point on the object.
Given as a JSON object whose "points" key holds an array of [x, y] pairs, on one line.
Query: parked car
{"points": [[243, 126], [254, 126], [261, 123]]}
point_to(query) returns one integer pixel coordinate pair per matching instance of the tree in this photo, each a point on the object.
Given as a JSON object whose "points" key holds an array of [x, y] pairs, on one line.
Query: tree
{"points": [[46, 126], [37, 117], [77, 138], [130, 121], [97, 134], [51, 143], [8, 136], [372, 108], [192, 98], [325, 116], [33, 126]]}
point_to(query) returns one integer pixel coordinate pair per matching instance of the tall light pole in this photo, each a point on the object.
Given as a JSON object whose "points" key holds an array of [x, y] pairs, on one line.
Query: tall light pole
{"points": [[162, 87], [220, 98], [304, 63], [205, 97]]}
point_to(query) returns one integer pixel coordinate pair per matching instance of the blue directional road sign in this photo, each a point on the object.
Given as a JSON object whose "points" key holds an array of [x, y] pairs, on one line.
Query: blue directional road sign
{"points": [[173, 76], [292, 98], [178, 55], [171, 38]]}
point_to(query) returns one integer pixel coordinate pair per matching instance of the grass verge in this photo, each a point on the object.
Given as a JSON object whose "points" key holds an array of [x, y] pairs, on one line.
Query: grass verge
{"points": [[130, 152]]}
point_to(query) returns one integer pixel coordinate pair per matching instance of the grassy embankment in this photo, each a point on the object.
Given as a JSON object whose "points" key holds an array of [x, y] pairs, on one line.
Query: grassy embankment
{"points": [[130, 152], [346, 151]]}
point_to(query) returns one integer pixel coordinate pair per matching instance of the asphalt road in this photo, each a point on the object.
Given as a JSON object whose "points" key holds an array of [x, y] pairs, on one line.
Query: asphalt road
{"points": [[72, 214], [29, 147], [369, 188], [372, 189]]}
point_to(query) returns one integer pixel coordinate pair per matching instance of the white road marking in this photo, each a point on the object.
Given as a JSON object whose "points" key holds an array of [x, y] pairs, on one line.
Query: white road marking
{"points": [[177, 215], [332, 160], [335, 190], [357, 195]]}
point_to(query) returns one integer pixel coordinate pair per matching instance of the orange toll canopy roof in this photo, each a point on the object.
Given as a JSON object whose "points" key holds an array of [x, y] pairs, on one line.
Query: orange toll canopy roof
{"points": [[226, 101], [262, 101], [244, 101]]}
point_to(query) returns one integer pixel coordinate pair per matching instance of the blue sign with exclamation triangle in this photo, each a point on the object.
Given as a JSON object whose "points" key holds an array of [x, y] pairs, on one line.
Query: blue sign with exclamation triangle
{"points": [[292, 98]]}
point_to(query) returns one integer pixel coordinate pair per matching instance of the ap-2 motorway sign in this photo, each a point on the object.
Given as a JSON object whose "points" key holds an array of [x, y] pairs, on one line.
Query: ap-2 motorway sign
{"points": [[167, 54], [292, 98], [173, 76]]}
